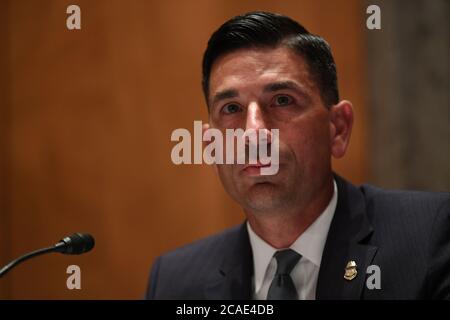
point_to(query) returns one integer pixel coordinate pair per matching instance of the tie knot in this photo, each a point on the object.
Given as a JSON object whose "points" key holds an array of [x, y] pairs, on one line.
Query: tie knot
{"points": [[286, 261]]}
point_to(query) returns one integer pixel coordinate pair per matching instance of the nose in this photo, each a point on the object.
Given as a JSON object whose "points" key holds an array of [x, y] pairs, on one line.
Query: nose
{"points": [[256, 121]]}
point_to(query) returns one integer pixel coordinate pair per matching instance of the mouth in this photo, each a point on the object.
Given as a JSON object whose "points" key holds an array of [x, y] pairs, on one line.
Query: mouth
{"points": [[254, 169]]}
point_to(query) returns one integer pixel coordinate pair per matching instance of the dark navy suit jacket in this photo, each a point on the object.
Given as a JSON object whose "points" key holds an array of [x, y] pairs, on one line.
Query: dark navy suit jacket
{"points": [[406, 234]]}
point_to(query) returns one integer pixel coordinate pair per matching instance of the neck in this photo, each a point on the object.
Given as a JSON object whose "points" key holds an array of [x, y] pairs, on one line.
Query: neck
{"points": [[281, 229]]}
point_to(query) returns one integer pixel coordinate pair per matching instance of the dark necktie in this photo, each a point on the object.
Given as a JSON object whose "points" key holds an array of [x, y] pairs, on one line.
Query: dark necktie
{"points": [[282, 286]]}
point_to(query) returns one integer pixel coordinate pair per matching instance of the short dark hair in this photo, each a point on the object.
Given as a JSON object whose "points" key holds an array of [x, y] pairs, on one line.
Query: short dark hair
{"points": [[264, 29]]}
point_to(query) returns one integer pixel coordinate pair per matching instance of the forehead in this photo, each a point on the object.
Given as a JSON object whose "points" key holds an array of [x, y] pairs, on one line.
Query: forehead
{"points": [[253, 67]]}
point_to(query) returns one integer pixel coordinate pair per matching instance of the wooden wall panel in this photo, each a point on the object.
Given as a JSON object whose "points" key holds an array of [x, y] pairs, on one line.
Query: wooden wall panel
{"points": [[5, 145]]}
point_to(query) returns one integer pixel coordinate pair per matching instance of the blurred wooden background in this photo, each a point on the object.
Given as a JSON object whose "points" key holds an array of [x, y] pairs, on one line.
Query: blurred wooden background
{"points": [[85, 124]]}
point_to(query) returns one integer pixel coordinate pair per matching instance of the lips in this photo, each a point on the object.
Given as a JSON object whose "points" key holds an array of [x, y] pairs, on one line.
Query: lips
{"points": [[254, 169], [258, 165]]}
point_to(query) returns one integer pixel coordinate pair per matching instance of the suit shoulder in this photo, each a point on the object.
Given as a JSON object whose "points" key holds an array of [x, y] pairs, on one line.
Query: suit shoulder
{"points": [[189, 267], [405, 200], [408, 213], [411, 232], [205, 246]]}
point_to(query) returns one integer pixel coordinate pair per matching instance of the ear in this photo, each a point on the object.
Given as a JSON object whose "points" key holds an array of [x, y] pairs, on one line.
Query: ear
{"points": [[341, 123], [206, 142]]}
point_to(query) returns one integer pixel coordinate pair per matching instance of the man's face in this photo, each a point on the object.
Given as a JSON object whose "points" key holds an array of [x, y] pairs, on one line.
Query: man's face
{"points": [[272, 89]]}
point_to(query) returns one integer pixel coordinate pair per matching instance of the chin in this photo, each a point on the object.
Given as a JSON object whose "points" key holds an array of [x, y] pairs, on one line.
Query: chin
{"points": [[264, 197]]}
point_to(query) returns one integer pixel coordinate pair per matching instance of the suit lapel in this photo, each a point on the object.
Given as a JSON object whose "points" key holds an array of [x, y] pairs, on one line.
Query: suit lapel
{"points": [[232, 280], [346, 242]]}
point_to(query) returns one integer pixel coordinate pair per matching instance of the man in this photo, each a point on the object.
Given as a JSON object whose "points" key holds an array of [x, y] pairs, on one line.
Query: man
{"points": [[309, 234]]}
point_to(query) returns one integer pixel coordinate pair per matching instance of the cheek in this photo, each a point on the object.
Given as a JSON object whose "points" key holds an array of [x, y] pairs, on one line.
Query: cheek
{"points": [[310, 142], [225, 173]]}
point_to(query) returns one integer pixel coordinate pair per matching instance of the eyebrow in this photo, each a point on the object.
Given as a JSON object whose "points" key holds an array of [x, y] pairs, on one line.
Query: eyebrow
{"points": [[271, 87], [283, 85], [226, 94]]}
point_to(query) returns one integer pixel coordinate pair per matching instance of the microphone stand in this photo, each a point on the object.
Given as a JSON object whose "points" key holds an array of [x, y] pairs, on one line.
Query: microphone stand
{"points": [[12, 264]]}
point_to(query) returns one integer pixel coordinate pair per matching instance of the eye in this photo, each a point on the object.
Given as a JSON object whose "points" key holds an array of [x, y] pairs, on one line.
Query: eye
{"points": [[231, 108], [283, 100]]}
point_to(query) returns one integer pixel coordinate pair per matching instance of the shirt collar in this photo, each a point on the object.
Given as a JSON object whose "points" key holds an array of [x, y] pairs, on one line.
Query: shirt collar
{"points": [[309, 244]]}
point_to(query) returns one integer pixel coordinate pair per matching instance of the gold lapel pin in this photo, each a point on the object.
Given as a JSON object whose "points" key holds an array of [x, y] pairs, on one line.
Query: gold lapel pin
{"points": [[350, 271]]}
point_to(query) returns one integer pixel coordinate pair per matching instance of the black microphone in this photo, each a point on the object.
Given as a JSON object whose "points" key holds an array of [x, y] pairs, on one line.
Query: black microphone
{"points": [[76, 243]]}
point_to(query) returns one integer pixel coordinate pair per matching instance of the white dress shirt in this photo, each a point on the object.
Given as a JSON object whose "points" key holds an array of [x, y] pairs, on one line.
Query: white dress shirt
{"points": [[310, 245]]}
